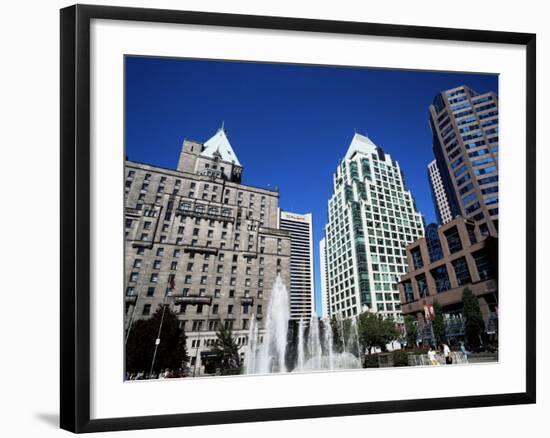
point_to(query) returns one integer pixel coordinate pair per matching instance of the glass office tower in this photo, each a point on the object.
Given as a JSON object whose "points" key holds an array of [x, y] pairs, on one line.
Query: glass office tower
{"points": [[371, 219], [465, 143]]}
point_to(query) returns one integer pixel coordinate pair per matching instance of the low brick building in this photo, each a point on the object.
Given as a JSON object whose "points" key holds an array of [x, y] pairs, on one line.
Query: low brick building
{"points": [[450, 258]]}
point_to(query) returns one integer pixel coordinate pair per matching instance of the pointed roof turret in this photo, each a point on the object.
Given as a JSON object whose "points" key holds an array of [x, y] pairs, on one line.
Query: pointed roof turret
{"points": [[218, 146], [360, 143]]}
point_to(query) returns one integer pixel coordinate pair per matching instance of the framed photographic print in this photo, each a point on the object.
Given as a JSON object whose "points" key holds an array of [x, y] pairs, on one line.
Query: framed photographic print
{"points": [[270, 218]]}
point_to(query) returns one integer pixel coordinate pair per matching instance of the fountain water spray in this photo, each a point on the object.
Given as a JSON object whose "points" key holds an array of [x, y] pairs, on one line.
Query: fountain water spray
{"points": [[270, 356], [301, 327], [327, 334], [313, 353]]}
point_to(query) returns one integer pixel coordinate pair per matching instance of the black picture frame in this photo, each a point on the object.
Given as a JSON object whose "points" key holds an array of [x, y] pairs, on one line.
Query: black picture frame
{"points": [[75, 217]]}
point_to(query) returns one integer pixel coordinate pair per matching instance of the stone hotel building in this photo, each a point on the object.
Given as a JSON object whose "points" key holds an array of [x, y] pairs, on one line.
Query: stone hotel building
{"points": [[200, 241]]}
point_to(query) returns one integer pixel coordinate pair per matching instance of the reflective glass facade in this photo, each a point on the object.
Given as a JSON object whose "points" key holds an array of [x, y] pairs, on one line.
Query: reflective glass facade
{"points": [[465, 143]]}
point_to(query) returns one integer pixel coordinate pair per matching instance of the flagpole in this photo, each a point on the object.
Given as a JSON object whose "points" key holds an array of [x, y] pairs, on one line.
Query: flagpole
{"points": [[157, 340], [171, 286], [130, 325]]}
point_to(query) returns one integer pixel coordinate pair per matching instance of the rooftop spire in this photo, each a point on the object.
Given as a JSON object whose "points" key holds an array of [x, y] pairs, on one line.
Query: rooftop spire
{"points": [[219, 145]]}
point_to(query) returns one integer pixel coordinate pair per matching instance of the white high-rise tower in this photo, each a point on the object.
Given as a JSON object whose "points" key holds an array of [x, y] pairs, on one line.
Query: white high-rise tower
{"points": [[441, 202], [371, 219], [325, 308]]}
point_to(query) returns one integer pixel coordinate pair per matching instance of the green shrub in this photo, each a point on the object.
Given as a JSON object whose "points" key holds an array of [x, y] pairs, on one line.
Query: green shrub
{"points": [[231, 371], [400, 358], [371, 361]]}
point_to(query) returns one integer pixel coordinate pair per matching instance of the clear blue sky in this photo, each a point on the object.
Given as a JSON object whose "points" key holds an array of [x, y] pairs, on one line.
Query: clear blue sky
{"points": [[288, 124]]}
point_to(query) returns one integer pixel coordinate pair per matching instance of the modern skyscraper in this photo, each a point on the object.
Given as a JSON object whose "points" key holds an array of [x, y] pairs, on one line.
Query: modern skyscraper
{"points": [[371, 219], [203, 243], [302, 291], [465, 144], [441, 203], [324, 310]]}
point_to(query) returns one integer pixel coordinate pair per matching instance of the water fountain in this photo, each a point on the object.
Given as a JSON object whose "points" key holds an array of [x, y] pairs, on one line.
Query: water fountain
{"points": [[314, 352]]}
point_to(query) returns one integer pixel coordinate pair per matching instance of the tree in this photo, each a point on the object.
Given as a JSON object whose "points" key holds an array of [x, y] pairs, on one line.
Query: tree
{"points": [[172, 350], [375, 331], [474, 325], [438, 324], [411, 330], [226, 349]]}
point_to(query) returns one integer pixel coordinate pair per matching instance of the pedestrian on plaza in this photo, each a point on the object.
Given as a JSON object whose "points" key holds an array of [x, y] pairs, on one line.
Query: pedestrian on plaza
{"points": [[447, 353], [431, 356], [464, 351]]}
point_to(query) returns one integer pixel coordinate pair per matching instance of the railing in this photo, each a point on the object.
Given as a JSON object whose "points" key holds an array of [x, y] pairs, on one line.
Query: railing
{"points": [[492, 324], [422, 359], [247, 300], [199, 249], [453, 328], [192, 299], [191, 212]]}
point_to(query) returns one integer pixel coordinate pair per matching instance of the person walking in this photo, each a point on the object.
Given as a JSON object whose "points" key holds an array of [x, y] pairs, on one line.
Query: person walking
{"points": [[447, 354], [431, 356], [464, 351]]}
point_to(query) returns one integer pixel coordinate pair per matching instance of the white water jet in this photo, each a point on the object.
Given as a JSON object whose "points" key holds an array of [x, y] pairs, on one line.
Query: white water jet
{"points": [[340, 321], [300, 364], [312, 354], [327, 334], [314, 343], [270, 357], [355, 330], [251, 346]]}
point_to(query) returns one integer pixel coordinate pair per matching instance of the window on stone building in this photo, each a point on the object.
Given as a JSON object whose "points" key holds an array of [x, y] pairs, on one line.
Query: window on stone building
{"points": [[483, 264], [461, 271], [453, 240]]}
